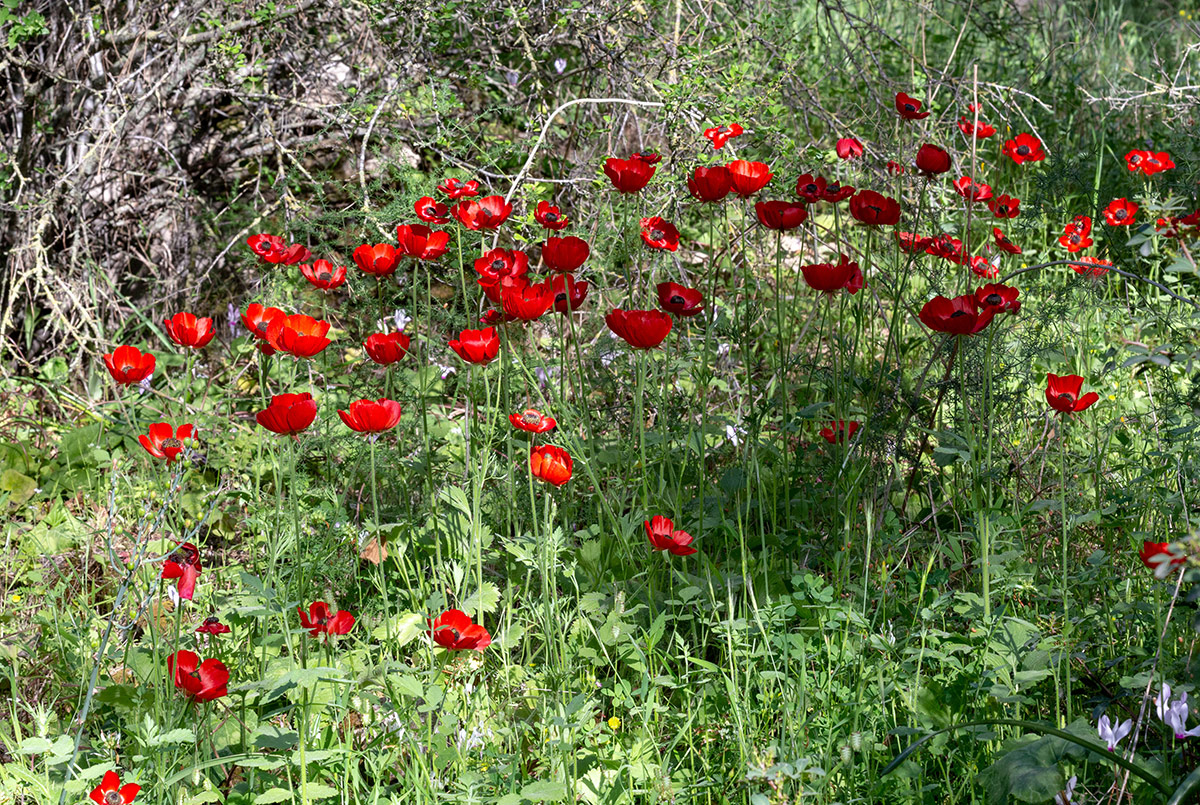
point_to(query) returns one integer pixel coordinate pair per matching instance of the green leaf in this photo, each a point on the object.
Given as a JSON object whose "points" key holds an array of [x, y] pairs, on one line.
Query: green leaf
{"points": [[177, 736], [544, 791], [402, 629], [272, 796]]}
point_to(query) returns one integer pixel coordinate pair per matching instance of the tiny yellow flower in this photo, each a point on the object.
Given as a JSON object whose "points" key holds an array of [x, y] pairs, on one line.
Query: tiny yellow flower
{"points": [[1112, 396], [614, 723], [16, 598]]}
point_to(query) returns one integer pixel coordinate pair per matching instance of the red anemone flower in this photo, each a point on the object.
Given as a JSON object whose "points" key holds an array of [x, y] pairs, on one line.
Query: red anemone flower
{"points": [[946, 247], [1003, 243], [298, 335], [1120, 212], [550, 464], [677, 299], [912, 243], [203, 681], [649, 157], [895, 168], [982, 267], [909, 107], [454, 630], [723, 134], [477, 346], [420, 242], [1001, 297], [188, 330], [386, 348], [958, 316], [525, 301], [432, 211], [212, 625], [1004, 206], [874, 209], [550, 217], [322, 274], [780, 215], [641, 329], [710, 184], [486, 213], [1148, 162], [569, 293], [319, 620], [532, 421], [972, 190], [564, 255], [849, 148], [659, 233], [497, 264], [839, 430], [810, 187], [1156, 554], [663, 536], [274, 250], [257, 319], [164, 441], [835, 192], [456, 188], [932, 161], [980, 130], [1025, 148], [288, 414], [379, 260], [111, 792], [1077, 234], [183, 564], [264, 245], [748, 177], [1095, 268], [129, 365], [371, 416], [628, 175], [1062, 393], [830, 278]]}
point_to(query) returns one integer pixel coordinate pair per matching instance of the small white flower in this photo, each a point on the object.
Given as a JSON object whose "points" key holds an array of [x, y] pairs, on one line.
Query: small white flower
{"points": [[144, 386], [1113, 735], [1066, 797], [560, 65], [1174, 714], [732, 434], [173, 594], [401, 318]]}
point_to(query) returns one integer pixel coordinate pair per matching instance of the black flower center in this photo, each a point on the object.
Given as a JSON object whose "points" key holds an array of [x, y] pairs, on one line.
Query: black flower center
{"points": [[994, 299], [551, 217], [172, 442], [531, 417], [810, 188], [324, 276], [431, 211], [113, 798], [1066, 395], [908, 107], [958, 313], [211, 620], [1075, 239], [678, 300], [656, 234], [1120, 214], [833, 188], [260, 327], [497, 264], [562, 297], [1023, 150], [1152, 162]]}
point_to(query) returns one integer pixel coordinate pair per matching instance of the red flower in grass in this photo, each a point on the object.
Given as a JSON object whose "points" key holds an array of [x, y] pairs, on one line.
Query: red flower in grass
{"points": [[564, 255], [649, 157], [212, 625], [298, 335], [972, 190], [550, 217], [550, 464], [982, 267], [274, 250], [839, 430], [386, 348], [641, 329], [492, 317], [288, 414], [257, 319], [319, 620], [203, 681], [1003, 206], [188, 330], [829, 278], [677, 299], [810, 187], [1077, 234], [1095, 268], [1003, 243], [723, 134], [1062, 393], [1025, 148], [322, 274], [748, 177], [1120, 212], [874, 209], [521, 300], [912, 243], [569, 293], [454, 630], [497, 264], [1156, 554], [932, 161], [183, 564], [849, 148], [164, 441], [1149, 162], [710, 184], [371, 416], [111, 792], [420, 242], [895, 168], [968, 126], [263, 244], [835, 192], [663, 536], [659, 233], [129, 365], [477, 346], [946, 247], [379, 260], [432, 211], [532, 421], [456, 188], [958, 316], [628, 175], [1003, 298], [780, 215], [909, 108], [486, 213]]}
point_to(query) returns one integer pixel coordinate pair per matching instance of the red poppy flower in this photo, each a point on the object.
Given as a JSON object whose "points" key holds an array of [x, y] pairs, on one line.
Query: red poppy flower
{"points": [[296, 253], [203, 681], [379, 260], [569, 293], [780, 215], [274, 250], [980, 130], [298, 335], [371, 416], [849, 148], [649, 157], [550, 217], [723, 134], [1025, 148], [183, 564], [641, 329], [257, 319], [550, 464], [909, 107], [1001, 297], [748, 177], [386, 348], [895, 168], [1154, 555], [477, 346], [971, 190], [1120, 212], [491, 317], [912, 243], [486, 213], [946, 247], [1062, 393], [532, 421], [659, 233], [932, 161], [525, 301], [288, 414], [1149, 162], [187, 330], [497, 264], [663, 536], [454, 630], [958, 316], [677, 299], [420, 242], [565, 255], [212, 625], [628, 175], [1077, 234], [322, 274], [839, 430], [982, 267], [1096, 267], [1003, 243], [835, 192], [710, 184], [320, 621], [457, 188], [874, 209], [163, 441], [1003, 206], [432, 211], [830, 278], [129, 365], [263, 244], [810, 187], [111, 792]]}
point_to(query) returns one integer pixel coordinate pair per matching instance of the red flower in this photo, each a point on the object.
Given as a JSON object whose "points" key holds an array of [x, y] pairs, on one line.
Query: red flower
{"points": [[809, 187], [525, 301], [958, 316], [834, 192], [982, 267], [710, 184], [912, 243], [379, 260], [1098, 267], [421, 242], [298, 335], [454, 630], [641, 329], [748, 177], [163, 441], [659, 233], [129, 365], [187, 330], [323, 275], [649, 157], [432, 211], [273, 249], [319, 620], [111, 792], [932, 160], [550, 464], [1025, 148], [288, 414], [980, 130], [386, 348], [212, 625], [849, 148], [1149, 162], [565, 254], [1062, 393], [550, 217], [532, 421], [895, 168], [371, 416], [492, 317], [203, 681], [946, 247], [569, 293], [1120, 212], [628, 175], [909, 107], [497, 264], [874, 209], [1077, 234], [1001, 297], [487, 213], [457, 188], [723, 134], [677, 299], [1003, 243], [830, 278], [477, 346], [839, 430], [780, 215], [257, 319], [971, 190], [183, 564], [1003, 206], [663, 536], [1152, 554]]}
